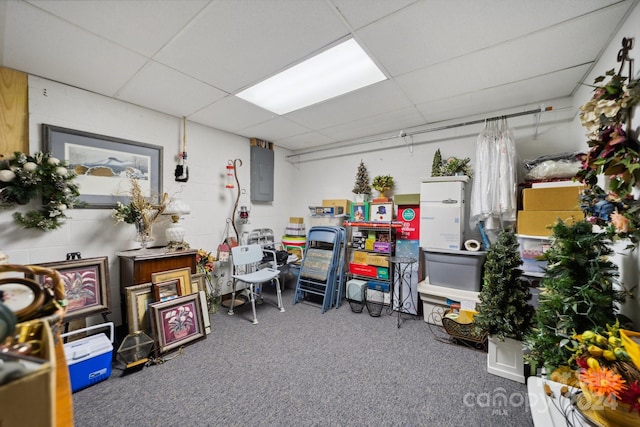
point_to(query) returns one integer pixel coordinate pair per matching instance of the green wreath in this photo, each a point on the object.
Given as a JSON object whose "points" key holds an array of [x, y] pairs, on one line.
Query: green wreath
{"points": [[24, 178]]}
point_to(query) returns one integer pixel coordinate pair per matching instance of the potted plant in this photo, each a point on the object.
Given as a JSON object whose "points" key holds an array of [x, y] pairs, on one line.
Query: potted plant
{"points": [[362, 188], [578, 294], [382, 184], [504, 312]]}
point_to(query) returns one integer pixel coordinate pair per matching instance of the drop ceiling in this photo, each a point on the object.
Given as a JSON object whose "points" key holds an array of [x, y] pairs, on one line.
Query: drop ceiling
{"points": [[443, 59]]}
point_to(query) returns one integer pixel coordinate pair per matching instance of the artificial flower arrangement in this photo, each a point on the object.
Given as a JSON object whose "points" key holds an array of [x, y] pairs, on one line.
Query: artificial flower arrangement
{"points": [[141, 210], [205, 263], [24, 178], [613, 153], [604, 365]]}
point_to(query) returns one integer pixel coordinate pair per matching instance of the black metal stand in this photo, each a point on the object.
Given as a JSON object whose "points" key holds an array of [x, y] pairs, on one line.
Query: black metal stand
{"points": [[402, 272]]}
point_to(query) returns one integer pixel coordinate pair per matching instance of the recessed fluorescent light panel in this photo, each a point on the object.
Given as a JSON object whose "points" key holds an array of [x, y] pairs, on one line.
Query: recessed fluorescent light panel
{"points": [[336, 71]]}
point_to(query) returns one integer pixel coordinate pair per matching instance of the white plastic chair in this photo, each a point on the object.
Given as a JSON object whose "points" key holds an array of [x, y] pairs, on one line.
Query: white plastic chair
{"points": [[247, 258]]}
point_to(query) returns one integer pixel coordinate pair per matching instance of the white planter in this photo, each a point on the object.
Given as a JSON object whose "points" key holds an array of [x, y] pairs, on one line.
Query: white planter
{"points": [[360, 198], [506, 359]]}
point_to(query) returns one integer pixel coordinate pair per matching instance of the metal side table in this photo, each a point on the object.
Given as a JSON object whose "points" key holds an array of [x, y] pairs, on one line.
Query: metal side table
{"points": [[402, 275]]}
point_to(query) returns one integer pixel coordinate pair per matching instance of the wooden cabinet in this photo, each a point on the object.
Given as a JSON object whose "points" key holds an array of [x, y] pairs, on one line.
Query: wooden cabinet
{"points": [[136, 266]]}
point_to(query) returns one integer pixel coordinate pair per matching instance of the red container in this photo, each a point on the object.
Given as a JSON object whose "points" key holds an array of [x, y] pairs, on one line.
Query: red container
{"points": [[363, 270]]}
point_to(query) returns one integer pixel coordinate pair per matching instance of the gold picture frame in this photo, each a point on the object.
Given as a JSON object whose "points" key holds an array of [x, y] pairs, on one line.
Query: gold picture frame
{"points": [[183, 274], [138, 299]]}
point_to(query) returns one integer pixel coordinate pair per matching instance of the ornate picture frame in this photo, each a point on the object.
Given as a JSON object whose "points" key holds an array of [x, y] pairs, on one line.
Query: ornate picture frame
{"points": [[86, 285], [176, 322]]}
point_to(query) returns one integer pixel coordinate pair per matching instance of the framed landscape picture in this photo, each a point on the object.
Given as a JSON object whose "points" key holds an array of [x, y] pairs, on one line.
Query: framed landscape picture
{"points": [[176, 322], [86, 285], [104, 163]]}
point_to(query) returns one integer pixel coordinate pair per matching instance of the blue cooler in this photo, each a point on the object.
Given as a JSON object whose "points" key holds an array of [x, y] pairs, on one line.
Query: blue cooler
{"points": [[89, 359]]}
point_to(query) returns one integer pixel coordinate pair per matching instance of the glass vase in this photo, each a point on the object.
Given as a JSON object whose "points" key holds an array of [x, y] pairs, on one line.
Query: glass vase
{"points": [[144, 234]]}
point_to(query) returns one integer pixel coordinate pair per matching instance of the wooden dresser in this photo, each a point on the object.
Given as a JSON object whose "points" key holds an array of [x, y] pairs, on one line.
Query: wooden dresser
{"points": [[136, 266]]}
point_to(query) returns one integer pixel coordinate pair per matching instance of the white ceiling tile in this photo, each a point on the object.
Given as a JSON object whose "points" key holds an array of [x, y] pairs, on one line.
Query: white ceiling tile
{"points": [[510, 96], [231, 114], [572, 45], [393, 122], [363, 12], [434, 31], [35, 42], [273, 130], [304, 141], [141, 25], [236, 43], [159, 87], [372, 100]]}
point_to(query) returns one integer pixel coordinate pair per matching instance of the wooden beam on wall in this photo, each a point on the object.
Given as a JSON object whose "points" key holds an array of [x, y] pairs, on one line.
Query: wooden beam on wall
{"points": [[14, 112]]}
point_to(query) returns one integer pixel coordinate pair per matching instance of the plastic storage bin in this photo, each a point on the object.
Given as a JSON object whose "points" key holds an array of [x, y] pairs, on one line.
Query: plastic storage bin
{"points": [[455, 269]]}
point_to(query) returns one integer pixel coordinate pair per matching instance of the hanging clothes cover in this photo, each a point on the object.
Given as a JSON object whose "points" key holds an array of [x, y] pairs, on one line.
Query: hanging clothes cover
{"points": [[493, 193]]}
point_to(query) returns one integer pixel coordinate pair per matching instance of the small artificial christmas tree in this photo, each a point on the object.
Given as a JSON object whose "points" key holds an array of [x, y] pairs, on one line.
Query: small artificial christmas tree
{"points": [[503, 310], [436, 166], [578, 293], [362, 185]]}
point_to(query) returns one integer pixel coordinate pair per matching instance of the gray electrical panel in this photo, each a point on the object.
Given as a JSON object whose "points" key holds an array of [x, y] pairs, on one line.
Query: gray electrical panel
{"points": [[261, 174]]}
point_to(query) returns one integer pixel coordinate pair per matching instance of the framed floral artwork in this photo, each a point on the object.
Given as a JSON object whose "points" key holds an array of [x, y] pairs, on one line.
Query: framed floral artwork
{"points": [[86, 285], [138, 299], [176, 322]]}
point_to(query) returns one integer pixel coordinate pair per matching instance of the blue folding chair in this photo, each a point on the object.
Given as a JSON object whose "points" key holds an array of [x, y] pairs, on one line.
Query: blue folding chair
{"points": [[320, 265]]}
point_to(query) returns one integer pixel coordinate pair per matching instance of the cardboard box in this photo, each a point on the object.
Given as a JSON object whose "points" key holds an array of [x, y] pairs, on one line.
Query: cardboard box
{"points": [[406, 199], [410, 217], [538, 223], [381, 212], [344, 204], [363, 270], [360, 212], [552, 198], [360, 257], [31, 399], [377, 260], [382, 272], [384, 247], [378, 286]]}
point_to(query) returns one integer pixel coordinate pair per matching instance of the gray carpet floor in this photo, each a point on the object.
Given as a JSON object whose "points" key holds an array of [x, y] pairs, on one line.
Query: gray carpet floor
{"points": [[305, 368]]}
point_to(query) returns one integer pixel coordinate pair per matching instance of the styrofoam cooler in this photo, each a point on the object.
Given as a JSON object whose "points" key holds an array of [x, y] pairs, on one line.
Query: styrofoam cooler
{"points": [[89, 359]]}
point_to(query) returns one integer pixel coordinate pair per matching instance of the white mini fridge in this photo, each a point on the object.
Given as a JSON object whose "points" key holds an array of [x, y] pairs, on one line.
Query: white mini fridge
{"points": [[442, 213]]}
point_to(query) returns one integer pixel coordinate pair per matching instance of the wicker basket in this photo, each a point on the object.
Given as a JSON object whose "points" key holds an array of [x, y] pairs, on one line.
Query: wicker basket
{"points": [[53, 307]]}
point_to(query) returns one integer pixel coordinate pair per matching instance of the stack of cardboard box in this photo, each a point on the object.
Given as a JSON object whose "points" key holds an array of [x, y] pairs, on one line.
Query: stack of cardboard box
{"points": [[542, 207]]}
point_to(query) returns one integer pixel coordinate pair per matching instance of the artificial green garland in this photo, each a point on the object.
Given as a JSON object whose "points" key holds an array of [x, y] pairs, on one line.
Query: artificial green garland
{"points": [[25, 177]]}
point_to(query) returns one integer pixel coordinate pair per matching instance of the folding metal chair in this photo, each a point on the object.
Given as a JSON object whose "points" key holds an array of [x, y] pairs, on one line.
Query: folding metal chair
{"points": [[320, 266], [246, 267]]}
